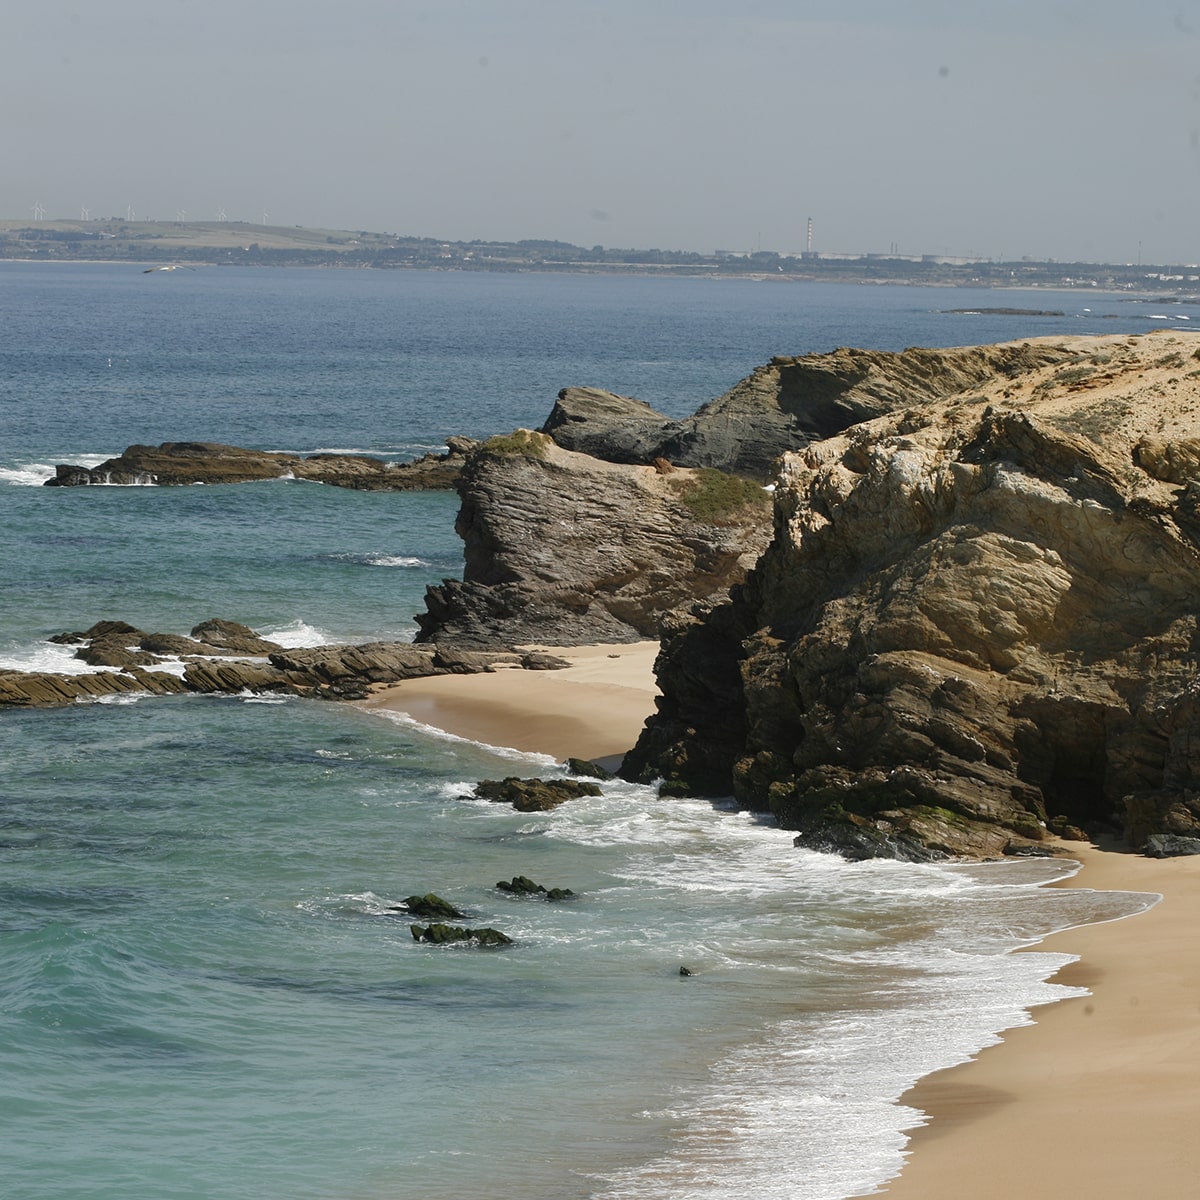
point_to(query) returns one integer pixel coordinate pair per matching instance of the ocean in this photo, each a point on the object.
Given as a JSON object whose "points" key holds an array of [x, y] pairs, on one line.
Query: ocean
{"points": [[205, 992]]}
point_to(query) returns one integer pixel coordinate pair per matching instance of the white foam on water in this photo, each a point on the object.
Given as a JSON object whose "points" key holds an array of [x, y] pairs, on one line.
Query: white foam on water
{"points": [[26, 474], [810, 1109], [405, 721], [117, 698], [35, 474], [49, 657], [295, 635], [394, 560]]}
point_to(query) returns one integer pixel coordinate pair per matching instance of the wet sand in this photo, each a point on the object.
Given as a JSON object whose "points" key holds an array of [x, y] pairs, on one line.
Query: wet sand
{"points": [[593, 709], [1100, 1097]]}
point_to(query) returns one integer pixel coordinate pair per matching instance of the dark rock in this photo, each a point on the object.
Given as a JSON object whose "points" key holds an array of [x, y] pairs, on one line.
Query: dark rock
{"points": [[429, 906], [587, 768], [439, 935], [522, 885], [1168, 845], [211, 462], [533, 795], [540, 660], [458, 661]]}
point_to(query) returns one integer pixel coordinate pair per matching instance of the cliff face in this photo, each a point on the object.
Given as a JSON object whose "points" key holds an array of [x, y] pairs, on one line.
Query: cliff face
{"points": [[612, 521], [564, 548], [977, 618]]}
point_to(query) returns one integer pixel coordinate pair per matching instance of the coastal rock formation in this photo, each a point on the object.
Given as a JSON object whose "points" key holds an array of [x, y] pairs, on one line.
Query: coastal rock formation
{"points": [[563, 549], [210, 462], [223, 656], [784, 405], [977, 620]]}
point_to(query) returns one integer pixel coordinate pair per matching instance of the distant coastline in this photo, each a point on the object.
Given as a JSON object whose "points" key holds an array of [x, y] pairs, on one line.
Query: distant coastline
{"points": [[240, 243]]}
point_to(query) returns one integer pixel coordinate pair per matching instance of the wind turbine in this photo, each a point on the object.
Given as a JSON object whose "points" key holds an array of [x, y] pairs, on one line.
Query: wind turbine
{"points": [[85, 213], [39, 212], [221, 215]]}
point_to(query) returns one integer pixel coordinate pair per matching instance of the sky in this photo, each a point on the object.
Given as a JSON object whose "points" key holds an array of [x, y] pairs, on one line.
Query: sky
{"points": [[1048, 129]]}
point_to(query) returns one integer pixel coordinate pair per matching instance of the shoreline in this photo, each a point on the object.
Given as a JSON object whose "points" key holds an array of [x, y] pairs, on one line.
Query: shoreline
{"points": [[1097, 1096], [1087, 1099], [593, 709]]}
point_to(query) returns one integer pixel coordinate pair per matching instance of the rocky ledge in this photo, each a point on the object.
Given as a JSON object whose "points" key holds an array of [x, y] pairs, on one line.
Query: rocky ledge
{"points": [[976, 622], [224, 656], [211, 462]]}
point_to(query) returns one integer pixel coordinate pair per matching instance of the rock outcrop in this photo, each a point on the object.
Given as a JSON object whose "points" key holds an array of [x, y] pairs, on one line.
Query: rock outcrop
{"points": [[784, 405], [533, 795], [210, 462], [564, 549], [977, 620], [223, 656]]}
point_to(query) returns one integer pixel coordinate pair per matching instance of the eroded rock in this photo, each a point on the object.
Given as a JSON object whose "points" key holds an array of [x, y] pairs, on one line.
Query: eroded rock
{"points": [[977, 617]]}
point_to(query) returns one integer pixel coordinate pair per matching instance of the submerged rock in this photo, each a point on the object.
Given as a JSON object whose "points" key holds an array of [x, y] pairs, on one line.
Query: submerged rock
{"points": [[522, 885], [440, 935], [534, 795], [429, 906]]}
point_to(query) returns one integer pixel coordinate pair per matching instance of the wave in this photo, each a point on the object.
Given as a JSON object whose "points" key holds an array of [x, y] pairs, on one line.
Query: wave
{"points": [[34, 474]]}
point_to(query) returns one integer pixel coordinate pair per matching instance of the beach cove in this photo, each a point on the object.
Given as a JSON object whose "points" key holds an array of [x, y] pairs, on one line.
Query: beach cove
{"points": [[209, 989], [1097, 1087]]}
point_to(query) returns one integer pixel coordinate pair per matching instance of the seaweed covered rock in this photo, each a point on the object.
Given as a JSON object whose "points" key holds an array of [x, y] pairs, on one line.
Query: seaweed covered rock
{"points": [[438, 934], [533, 795], [522, 885], [429, 907]]}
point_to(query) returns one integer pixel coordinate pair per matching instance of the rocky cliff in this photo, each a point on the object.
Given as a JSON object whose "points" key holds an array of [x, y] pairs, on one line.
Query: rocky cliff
{"points": [[977, 619], [613, 520], [563, 548]]}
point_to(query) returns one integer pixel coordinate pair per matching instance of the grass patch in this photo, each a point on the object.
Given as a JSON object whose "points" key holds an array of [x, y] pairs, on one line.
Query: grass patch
{"points": [[716, 497], [525, 442]]}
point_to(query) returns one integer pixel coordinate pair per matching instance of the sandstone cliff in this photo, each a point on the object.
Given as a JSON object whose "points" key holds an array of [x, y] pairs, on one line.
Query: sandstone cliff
{"points": [[562, 548], [612, 519], [977, 618]]}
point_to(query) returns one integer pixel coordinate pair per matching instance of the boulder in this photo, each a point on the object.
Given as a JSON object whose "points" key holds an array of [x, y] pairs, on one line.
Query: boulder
{"points": [[438, 934], [564, 549], [534, 795], [429, 906], [522, 885]]}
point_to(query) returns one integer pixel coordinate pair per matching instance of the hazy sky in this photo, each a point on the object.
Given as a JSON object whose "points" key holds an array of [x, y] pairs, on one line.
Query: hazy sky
{"points": [[1064, 129]]}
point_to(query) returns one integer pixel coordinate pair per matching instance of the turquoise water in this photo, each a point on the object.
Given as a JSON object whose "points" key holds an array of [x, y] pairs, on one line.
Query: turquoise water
{"points": [[205, 992]]}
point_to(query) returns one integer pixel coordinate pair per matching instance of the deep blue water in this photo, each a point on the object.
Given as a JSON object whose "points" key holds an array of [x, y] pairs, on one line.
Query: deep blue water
{"points": [[203, 992]]}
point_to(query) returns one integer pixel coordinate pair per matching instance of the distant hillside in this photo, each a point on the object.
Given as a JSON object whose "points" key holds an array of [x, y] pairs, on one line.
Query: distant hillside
{"points": [[242, 243]]}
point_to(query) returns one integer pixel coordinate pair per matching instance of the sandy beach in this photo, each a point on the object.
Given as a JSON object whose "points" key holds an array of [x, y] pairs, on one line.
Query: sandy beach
{"points": [[593, 709], [1098, 1098]]}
